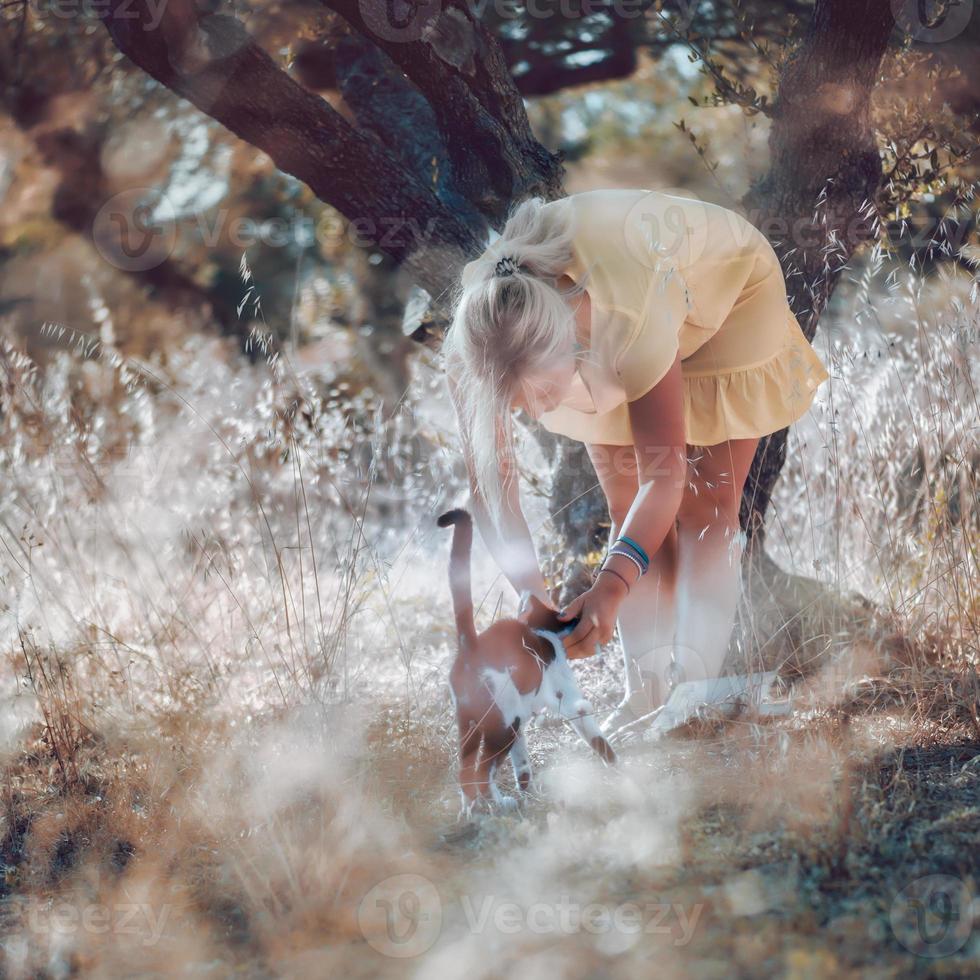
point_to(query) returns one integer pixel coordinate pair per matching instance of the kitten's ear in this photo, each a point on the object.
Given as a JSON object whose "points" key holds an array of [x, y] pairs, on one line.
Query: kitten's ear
{"points": [[530, 609], [528, 605], [541, 617]]}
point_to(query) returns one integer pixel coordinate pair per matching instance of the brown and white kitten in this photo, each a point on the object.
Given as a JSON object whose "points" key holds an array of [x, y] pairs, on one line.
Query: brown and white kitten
{"points": [[503, 676]]}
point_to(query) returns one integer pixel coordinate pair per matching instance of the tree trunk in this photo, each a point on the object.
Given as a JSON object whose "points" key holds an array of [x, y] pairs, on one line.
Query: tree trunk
{"points": [[212, 61], [457, 65], [816, 203]]}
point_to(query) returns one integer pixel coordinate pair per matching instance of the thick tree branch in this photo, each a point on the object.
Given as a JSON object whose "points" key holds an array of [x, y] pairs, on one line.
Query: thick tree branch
{"points": [[385, 103], [214, 63], [459, 68]]}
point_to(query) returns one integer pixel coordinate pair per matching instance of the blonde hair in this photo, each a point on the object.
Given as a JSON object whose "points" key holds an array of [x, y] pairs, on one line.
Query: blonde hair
{"points": [[507, 322]]}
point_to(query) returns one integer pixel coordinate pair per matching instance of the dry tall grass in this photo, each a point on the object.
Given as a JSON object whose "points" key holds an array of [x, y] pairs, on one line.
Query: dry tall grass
{"points": [[227, 738]]}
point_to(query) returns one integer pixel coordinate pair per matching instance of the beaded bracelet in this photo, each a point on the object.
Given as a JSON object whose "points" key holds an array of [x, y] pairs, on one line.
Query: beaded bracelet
{"points": [[623, 553], [619, 549], [629, 542]]}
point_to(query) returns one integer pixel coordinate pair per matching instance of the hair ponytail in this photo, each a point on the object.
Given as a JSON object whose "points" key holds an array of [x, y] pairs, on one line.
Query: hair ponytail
{"points": [[509, 319]]}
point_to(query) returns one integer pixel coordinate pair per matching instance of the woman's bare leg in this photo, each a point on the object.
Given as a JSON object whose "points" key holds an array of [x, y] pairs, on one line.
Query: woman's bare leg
{"points": [[710, 544], [647, 624], [647, 616]]}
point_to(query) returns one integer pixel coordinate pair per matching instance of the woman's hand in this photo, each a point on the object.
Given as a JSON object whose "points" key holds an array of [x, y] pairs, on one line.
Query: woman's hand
{"points": [[598, 609]]}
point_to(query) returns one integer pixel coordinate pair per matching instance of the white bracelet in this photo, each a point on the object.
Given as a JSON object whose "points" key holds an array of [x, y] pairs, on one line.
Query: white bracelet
{"points": [[632, 558]]}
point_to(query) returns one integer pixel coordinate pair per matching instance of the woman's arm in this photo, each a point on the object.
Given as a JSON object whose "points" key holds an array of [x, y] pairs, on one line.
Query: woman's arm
{"points": [[513, 550], [659, 440], [513, 547], [660, 444]]}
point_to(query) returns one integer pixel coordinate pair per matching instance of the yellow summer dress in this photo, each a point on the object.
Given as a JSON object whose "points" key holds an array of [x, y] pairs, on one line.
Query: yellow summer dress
{"points": [[671, 274]]}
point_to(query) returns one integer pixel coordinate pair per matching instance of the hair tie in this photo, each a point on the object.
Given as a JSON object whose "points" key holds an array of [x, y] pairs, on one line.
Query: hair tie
{"points": [[506, 266]]}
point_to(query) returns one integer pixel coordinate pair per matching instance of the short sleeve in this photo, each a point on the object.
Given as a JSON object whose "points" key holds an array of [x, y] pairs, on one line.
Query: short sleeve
{"points": [[652, 348]]}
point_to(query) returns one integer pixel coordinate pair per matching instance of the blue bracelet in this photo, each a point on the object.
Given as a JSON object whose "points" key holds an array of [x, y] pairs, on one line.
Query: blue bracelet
{"points": [[635, 547]]}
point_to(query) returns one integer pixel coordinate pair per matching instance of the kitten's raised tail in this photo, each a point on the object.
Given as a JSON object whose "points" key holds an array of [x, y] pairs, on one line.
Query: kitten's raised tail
{"points": [[459, 575]]}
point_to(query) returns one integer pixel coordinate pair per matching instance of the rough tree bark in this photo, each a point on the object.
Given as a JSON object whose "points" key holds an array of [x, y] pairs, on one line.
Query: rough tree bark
{"points": [[458, 67]]}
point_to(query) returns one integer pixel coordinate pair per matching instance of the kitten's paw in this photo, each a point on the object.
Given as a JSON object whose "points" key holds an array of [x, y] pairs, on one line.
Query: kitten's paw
{"points": [[507, 804]]}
